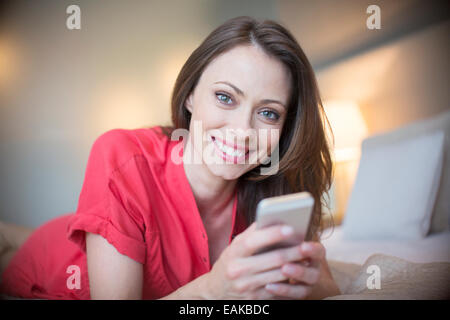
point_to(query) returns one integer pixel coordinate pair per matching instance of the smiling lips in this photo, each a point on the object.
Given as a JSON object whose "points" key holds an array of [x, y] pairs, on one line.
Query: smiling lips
{"points": [[230, 153]]}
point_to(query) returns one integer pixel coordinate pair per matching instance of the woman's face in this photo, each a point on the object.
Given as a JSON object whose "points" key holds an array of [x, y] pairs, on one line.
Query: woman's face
{"points": [[241, 100]]}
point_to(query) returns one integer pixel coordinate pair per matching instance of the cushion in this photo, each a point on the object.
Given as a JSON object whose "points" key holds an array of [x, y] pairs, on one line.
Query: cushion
{"points": [[440, 220], [396, 186]]}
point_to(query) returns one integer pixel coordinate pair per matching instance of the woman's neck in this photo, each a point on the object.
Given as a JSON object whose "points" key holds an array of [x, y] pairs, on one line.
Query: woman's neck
{"points": [[212, 193]]}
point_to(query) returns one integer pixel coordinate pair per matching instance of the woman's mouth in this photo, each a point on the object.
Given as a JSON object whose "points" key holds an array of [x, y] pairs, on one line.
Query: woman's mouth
{"points": [[230, 154]]}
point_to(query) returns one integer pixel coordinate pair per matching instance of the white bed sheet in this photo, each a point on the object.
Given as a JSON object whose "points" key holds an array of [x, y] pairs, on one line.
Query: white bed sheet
{"points": [[433, 248]]}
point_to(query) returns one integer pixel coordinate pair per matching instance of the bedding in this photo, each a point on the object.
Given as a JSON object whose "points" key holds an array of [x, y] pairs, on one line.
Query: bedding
{"points": [[397, 219], [408, 269], [397, 181], [399, 279], [433, 248]]}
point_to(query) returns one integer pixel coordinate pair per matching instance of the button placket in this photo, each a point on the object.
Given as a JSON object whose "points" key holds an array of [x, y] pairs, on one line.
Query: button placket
{"points": [[202, 241], [205, 246]]}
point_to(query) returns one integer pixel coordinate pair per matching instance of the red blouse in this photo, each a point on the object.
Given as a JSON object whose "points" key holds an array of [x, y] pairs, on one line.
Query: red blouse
{"points": [[141, 202]]}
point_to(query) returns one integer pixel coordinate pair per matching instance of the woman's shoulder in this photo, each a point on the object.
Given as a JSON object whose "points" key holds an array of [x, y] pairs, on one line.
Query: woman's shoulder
{"points": [[118, 146]]}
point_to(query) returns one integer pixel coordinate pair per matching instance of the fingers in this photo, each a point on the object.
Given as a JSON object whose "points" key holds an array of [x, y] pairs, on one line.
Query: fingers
{"points": [[265, 261], [260, 294], [259, 280], [308, 270], [283, 290], [300, 273], [253, 240], [314, 252], [262, 273]]}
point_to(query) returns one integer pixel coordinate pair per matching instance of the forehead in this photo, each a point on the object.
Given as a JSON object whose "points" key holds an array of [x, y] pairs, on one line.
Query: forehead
{"points": [[252, 70]]}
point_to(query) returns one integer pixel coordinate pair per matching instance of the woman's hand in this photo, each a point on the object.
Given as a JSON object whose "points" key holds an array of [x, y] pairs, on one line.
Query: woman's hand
{"points": [[239, 273], [303, 275]]}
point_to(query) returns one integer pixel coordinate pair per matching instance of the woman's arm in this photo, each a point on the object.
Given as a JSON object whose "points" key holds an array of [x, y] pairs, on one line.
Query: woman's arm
{"points": [[194, 290], [112, 275], [236, 274]]}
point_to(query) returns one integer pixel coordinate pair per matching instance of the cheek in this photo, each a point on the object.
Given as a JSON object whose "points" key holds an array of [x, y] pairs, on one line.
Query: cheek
{"points": [[206, 111]]}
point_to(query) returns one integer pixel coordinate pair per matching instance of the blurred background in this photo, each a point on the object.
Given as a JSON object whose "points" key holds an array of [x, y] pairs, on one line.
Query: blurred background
{"points": [[60, 89]]}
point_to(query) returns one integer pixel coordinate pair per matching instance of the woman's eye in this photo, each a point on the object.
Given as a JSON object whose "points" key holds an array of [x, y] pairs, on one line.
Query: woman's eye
{"points": [[224, 98], [270, 115]]}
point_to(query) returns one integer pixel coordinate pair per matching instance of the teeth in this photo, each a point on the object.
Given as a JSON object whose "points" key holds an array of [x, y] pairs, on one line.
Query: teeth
{"points": [[228, 150]]}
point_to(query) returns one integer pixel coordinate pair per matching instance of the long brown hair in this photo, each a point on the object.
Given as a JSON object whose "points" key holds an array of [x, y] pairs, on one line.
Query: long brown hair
{"points": [[304, 158]]}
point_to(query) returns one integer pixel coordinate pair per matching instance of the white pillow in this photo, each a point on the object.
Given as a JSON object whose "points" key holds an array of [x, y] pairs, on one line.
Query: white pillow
{"points": [[395, 188]]}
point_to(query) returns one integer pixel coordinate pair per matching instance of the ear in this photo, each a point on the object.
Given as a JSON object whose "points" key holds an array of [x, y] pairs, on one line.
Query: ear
{"points": [[188, 103]]}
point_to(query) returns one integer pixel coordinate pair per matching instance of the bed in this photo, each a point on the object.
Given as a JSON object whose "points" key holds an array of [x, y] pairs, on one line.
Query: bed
{"points": [[433, 248], [408, 269], [394, 241]]}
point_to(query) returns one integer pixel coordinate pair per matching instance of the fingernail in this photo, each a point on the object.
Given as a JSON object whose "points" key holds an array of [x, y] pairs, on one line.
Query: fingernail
{"points": [[307, 246], [287, 230]]}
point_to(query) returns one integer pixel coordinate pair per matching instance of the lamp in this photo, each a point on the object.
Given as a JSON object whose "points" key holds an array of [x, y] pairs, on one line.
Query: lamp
{"points": [[348, 127], [349, 130]]}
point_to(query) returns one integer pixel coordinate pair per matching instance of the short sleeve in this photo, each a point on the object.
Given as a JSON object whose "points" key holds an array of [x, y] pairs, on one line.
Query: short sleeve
{"points": [[105, 205]]}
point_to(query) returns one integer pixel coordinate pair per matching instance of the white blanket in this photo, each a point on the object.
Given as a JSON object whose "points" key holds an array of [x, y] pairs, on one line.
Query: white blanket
{"points": [[433, 248]]}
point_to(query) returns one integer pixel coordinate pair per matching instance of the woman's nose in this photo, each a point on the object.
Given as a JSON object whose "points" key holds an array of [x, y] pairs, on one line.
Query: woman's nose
{"points": [[244, 121]]}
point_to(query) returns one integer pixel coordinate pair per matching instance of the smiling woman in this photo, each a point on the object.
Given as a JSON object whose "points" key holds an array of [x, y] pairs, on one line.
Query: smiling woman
{"points": [[150, 227], [260, 79]]}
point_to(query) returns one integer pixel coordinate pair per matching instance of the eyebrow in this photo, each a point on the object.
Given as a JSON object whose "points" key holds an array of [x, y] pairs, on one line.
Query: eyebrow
{"points": [[240, 92]]}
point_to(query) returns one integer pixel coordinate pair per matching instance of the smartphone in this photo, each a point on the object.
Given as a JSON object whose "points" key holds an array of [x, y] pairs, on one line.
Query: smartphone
{"points": [[292, 209]]}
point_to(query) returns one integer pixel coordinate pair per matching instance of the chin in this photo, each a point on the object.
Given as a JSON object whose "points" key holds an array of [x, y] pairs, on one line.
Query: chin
{"points": [[226, 172], [229, 171]]}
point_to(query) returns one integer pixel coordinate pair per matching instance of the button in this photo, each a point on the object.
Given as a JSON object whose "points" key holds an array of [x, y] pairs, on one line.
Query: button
{"points": [[203, 235]]}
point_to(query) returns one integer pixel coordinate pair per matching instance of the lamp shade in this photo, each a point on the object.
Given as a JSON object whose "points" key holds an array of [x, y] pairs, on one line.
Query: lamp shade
{"points": [[349, 128]]}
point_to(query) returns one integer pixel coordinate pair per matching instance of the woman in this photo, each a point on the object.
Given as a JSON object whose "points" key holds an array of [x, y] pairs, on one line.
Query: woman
{"points": [[153, 224]]}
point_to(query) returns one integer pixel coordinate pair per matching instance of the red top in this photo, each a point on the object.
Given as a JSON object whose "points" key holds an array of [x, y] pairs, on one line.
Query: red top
{"points": [[141, 202]]}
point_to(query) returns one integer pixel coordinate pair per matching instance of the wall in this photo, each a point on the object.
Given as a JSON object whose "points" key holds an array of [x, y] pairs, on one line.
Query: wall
{"points": [[398, 83], [398, 74], [60, 88]]}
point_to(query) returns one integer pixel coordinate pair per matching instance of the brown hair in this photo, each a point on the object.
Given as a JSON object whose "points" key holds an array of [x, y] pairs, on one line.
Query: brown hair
{"points": [[305, 162]]}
